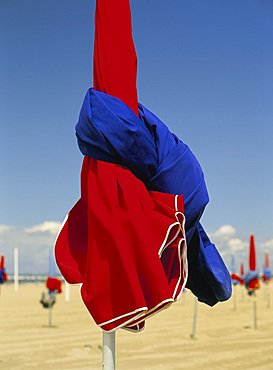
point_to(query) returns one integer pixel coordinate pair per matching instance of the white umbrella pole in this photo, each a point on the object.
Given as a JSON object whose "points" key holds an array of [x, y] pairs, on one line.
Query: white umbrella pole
{"points": [[243, 293], [67, 292], [194, 318], [50, 306], [16, 278], [108, 350], [49, 315]]}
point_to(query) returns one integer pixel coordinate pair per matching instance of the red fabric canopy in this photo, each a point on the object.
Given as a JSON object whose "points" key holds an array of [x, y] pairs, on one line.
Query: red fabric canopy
{"points": [[126, 246], [252, 254], [54, 284], [2, 267]]}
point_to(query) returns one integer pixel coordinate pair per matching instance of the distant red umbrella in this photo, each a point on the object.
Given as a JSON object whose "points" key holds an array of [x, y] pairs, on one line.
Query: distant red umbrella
{"points": [[252, 254], [242, 276], [54, 286], [252, 278], [266, 277], [235, 278], [3, 274], [266, 264]]}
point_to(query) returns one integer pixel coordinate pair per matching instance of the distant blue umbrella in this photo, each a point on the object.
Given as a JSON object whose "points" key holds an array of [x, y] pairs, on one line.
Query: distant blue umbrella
{"points": [[266, 277], [267, 272], [266, 269]]}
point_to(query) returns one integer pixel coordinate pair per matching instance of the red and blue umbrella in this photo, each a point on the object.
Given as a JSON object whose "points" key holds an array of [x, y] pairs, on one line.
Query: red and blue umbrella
{"points": [[134, 238], [53, 284], [3, 274], [252, 277], [266, 277], [242, 274]]}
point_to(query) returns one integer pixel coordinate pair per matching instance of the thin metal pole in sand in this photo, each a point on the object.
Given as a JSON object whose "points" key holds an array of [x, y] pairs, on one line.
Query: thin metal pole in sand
{"points": [[50, 305], [264, 290], [243, 293], [255, 310], [194, 318], [16, 270], [108, 350], [50, 313]]}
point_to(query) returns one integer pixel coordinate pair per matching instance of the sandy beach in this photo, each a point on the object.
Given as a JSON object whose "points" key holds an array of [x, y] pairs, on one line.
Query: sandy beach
{"points": [[225, 336]]}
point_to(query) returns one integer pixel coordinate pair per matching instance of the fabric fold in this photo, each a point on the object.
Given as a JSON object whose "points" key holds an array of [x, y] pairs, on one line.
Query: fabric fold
{"points": [[126, 246], [108, 130]]}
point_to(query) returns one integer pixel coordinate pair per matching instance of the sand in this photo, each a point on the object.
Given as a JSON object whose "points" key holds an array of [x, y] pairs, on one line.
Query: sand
{"points": [[225, 336]]}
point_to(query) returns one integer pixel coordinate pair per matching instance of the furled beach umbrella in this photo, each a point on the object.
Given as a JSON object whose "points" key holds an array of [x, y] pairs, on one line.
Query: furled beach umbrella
{"points": [[242, 274], [134, 240], [242, 280], [252, 277], [266, 277], [53, 285], [3, 274]]}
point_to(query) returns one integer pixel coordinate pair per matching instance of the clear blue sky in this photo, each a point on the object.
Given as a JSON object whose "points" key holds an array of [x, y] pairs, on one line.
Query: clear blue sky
{"points": [[205, 69]]}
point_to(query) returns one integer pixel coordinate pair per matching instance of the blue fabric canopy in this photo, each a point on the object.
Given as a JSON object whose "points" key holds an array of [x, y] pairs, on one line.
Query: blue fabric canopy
{"points": [[2, 275], [267, 272], [108, 130], [251, 275]]}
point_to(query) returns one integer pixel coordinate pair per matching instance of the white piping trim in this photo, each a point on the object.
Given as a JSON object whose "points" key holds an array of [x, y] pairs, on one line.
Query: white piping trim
{"points": [[138, 330], [176, 203], [125, 315], [181, 257], [122, 324], [164, 245], [151, 312]]}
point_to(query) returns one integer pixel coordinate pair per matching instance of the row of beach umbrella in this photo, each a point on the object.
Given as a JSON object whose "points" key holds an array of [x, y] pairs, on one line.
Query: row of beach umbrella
{"points": [[252, 279]]}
